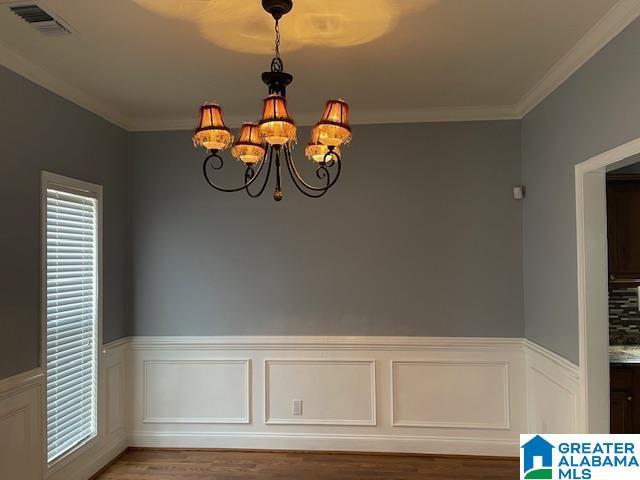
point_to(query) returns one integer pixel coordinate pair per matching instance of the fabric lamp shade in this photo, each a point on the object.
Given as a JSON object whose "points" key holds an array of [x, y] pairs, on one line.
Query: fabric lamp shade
{"points": [[334, 128], [276, 126], [211, 132], [249, 147]]}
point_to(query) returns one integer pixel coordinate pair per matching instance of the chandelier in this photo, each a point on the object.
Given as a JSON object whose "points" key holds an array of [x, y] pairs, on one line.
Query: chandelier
{"points": [[267, 145]]}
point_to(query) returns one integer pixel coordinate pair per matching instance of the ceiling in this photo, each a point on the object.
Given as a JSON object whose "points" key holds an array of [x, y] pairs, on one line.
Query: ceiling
{"points": [[148, 64]]}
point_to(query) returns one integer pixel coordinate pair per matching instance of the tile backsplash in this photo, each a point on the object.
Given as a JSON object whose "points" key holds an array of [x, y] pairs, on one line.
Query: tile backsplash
{"points": [[624, 317]]}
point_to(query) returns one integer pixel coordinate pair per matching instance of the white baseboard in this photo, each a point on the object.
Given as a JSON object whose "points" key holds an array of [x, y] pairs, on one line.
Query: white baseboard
{"points": [[91, 462], [375, 394], [327, 442]]}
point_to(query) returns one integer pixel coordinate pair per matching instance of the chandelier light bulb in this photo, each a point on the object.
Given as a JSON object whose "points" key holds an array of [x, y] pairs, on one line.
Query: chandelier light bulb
{"points": [[334, 128], [276, 126], [249, 147], [211, 132]]}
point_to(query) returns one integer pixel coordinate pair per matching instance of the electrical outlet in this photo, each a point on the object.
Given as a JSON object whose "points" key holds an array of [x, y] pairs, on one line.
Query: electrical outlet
{"points": [[297, 407]]}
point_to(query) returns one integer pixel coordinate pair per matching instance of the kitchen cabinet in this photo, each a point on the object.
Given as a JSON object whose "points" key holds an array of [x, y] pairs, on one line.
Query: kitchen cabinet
{"points": [[621, 419], [625, 398], [623, 228]]}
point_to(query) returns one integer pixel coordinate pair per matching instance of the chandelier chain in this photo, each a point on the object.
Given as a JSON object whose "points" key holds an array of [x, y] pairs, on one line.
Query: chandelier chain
{"points": [[276, 63], [277, 39]]}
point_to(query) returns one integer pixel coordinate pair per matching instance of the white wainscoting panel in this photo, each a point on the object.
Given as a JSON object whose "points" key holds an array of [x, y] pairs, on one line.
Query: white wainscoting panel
{"points": [[192, 392], [333, 392], [116, 407], [553, 391], [21, 426], [197, 391], [387, 394], [446, 394]]}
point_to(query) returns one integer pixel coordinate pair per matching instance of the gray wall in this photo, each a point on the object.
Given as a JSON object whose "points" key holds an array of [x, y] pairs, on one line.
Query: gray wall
{"points": [[419, 237], [595, 110], [41, 131]]}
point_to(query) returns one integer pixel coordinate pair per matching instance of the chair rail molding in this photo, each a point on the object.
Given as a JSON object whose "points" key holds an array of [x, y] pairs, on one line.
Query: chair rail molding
{"points": [[324, 343]]}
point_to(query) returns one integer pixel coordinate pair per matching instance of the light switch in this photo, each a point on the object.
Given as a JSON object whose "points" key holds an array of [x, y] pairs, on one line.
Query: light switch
{"points": [[297, 407]]}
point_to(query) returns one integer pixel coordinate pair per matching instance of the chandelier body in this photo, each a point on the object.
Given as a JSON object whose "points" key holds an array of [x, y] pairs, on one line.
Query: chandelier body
{"points": [[266, 147]]}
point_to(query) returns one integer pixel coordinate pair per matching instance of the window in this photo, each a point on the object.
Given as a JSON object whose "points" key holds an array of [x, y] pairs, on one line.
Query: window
{"points": [[72, 311]]}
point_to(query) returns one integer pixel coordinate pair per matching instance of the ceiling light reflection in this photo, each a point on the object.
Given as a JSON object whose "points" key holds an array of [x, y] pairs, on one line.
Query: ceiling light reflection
{"points": [[242, 26]]}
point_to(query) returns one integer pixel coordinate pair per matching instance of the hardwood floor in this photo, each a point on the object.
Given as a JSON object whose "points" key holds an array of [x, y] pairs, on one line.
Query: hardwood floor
{"points": [[232, 465]]}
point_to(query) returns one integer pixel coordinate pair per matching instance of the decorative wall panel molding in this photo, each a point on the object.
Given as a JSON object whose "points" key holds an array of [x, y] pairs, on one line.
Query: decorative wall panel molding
{"points": [[454, 403], [197, 391], [334, 392], [116, 407], [345, 384]]}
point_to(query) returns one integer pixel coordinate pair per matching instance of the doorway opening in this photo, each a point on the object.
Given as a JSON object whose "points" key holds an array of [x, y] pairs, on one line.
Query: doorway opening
{"points": [[594, 286]]}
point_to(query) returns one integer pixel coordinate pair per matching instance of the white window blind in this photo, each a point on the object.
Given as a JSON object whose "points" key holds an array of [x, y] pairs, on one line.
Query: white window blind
{"points": [[71, 320]]}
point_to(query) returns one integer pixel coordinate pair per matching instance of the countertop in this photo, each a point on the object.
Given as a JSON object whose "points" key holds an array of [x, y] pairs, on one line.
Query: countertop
{"points": [[624, 354]]}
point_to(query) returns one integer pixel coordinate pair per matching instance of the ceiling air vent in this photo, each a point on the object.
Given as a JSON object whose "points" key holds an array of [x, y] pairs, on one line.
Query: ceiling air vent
{"points": [[39, 19]]}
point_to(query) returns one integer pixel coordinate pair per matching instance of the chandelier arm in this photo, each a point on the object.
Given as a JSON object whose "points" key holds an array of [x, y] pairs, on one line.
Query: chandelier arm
{"points": [[328, 163], [266, 179], [330, 159], [302, 190], [214, 154], [296, 178]]}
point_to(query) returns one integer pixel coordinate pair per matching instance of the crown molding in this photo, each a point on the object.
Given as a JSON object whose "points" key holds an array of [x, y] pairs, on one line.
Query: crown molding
{"points": [[616, 19], [361, 117], [608, 27], [45, 79]]}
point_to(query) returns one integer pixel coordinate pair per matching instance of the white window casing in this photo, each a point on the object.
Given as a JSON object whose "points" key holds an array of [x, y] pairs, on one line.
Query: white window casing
{"points": [[71, 312]]}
